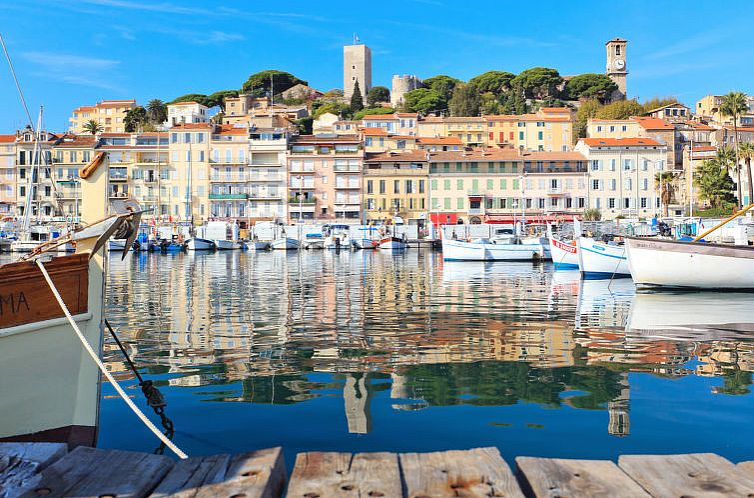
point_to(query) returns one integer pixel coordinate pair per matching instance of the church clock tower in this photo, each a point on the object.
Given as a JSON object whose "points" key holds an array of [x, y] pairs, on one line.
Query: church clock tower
{"points": [[617, 69]]}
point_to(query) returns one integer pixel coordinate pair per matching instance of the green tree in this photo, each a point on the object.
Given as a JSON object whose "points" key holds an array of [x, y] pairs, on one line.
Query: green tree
{"points": [[734, 104], [495, 82], [622, 109], [714, 184], [515, 100], [592, 214], [357, 100], [591, 86], [664, 187], [539, 82], [135, 119], [746, 152], [372, 111], [465, 101], [338, 108], [269, 81], [93, 127], [490, 104], [218, 98], [157, 111], [424, 100], [199, 98], [376, 95], [442, 84], [655, 102], [305, 125], [587, 110]]}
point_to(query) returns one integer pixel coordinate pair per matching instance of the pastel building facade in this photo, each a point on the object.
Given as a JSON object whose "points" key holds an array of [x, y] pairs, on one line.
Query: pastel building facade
{"points": [[7, 175], [110, 114], [186, 112]]}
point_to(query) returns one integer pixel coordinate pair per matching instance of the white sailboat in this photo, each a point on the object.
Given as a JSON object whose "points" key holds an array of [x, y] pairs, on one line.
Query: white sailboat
{"points": [[601, 260]]}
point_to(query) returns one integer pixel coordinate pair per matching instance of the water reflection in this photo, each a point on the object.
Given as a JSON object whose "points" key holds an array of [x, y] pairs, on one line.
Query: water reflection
{"points": [[394, 341]]}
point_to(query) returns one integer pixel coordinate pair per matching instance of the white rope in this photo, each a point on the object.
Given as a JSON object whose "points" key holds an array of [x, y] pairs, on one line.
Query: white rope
{"points": [[104, 371]]}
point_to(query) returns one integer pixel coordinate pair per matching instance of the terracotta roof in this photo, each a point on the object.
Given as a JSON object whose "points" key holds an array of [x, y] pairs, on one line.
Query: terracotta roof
{"points": [[675, 104], [374, 131], [653, 123], [379, 116], [627, 121], [319, 139], [526, 117], [559, 110], [406, 114], [439, 140], [116, 135], [620, 142], [192, 126], [700, 126], [234, 132], [7, 139], [740, 128], [188, 102], [478, 155], [704, 148], [85, 108]]}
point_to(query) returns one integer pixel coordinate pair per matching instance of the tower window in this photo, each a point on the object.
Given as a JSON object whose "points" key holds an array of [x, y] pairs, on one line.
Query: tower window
{"points": [[617, 50], [353, 67]]}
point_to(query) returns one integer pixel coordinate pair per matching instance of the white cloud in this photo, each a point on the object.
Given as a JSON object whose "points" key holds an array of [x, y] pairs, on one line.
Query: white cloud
{"points": [[74, 69]]}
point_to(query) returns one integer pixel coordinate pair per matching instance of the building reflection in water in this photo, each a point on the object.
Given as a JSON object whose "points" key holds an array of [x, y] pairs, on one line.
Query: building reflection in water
{"points": [[433, 333]]}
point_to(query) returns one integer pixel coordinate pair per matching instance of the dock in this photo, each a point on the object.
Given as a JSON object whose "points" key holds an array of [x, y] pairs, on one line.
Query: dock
{"points": [[31, 470]]}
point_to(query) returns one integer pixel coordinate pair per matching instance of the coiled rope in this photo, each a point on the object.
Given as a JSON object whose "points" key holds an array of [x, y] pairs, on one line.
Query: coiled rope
{"points": [[148, 423]]}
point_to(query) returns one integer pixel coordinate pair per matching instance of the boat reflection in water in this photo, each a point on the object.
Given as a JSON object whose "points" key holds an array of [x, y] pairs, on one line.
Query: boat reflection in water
{"points": [[383, 351]]}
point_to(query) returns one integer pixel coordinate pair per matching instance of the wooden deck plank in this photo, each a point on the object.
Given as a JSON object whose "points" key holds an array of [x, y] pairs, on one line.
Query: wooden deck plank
{"points": [[556, 477], [480, 472], [341, 475], [746, 467], [701, 475], [21, 463], [187, 476], [257, 474], [95, 472]]}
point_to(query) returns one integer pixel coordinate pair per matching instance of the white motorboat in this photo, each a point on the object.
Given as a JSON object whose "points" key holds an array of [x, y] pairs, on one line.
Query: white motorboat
{"points": [[258, 245], [393, 244], [285, 244], [365, 243], [486, 250], [313, 241], [199, 244], [543, 241], [227, 245], [564, 254], [338, 241], [601, 260], [697, 265], [224, 234]]}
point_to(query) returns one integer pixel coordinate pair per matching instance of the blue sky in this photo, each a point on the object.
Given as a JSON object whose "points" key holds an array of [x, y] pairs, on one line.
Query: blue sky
{"points": [[72, 53]]}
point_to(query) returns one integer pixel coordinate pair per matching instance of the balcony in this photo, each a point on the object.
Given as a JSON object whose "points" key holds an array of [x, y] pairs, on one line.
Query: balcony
{"points": [[475, 193], [118, 177], [347, 186], [301, 186], [475, 211], [265, 196], [306, 200], [118, 195], [340, 168], [218, 197], [555, 191], [228, 178]]}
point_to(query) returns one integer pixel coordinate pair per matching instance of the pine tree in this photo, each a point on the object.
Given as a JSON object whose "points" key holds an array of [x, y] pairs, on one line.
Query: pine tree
{"points": [[357, 100]]}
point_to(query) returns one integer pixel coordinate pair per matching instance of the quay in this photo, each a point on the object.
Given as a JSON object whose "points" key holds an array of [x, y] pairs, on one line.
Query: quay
{"points": [[30, 470]]}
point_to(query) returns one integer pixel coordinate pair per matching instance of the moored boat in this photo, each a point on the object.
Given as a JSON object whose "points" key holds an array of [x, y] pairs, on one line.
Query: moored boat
{"points": [[393, 244], [285, 244], [199, 244], [227, 245], [485, 250], [564, 254], [314, 241], [601, 259], [259, 245], [696, 265]]}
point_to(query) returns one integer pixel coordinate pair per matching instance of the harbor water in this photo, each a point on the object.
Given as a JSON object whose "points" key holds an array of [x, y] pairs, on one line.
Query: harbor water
{"points": [[375, 351]]}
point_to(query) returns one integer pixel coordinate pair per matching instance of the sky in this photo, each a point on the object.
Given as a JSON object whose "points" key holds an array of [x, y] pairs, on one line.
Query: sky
{"points": [[75, 53]]}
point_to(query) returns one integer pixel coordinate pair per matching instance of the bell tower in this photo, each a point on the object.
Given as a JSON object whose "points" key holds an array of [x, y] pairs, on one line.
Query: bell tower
{"points": [[616, 68]]}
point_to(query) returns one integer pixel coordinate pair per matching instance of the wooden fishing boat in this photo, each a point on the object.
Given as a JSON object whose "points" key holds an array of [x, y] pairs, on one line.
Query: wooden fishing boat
{"points": [[564, 255], [393, 244], [49, 386], [601, 259], [696, 265]]}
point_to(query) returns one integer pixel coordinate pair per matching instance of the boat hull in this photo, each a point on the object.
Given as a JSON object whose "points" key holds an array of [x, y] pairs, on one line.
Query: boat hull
{"points": [[259, 246], [285, 244], [392, 244], [314, 244], [197, 244], [564, 256], [50, 385], [227, 245], [670, 263], [599, 260], [457, 250]]}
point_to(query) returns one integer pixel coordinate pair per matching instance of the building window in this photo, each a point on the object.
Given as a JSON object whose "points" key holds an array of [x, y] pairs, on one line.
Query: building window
{"points": [[396, 186], [370, 187], [383, 187]]}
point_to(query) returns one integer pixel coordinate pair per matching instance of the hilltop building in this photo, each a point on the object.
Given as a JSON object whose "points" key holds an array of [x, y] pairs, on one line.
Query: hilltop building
{"points": [[401, 85], [108, 113], [186, 112], [357, 66], [617, 68]]}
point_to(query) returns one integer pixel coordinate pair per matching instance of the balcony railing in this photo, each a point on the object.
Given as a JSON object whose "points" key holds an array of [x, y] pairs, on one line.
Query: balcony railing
{"points": [[256, 195], [306, 200], [347, 186], [346, 169], [118, 195], [228, 196], [476, 211]]}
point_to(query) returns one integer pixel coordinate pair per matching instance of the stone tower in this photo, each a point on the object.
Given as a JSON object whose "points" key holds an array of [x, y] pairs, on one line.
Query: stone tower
{"points": [[357, 66], [401, 86], [617, 68]]}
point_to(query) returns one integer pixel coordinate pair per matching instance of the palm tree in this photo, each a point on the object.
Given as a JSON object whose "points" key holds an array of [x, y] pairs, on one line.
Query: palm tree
{"points": [[746, 151], [733, 105], [157, 111], [93, 127], [664, 186]]}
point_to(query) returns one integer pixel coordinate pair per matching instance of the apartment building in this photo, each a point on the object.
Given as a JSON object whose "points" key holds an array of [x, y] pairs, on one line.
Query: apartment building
{"points": [[471, 131], [673, 113], [621, 175], [482, 185], [34, 179], [108, 113], [267, 186], [662, 131], [70, 153], [7, 175], [324, 178], [399, 123], [550, 129], [395, 187], [186, 112], [229, 174], [189, 158]]}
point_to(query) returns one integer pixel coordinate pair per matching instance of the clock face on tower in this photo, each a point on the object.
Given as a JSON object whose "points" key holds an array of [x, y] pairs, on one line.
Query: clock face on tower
{"points": [[619, 64]]}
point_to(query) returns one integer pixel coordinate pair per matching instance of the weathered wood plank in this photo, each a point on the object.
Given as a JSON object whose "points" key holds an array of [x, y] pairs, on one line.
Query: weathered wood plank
{"points": [[95, 472], [700, 475], [21, 463], [340, 475], [480, 472], [187, 476], [555, 477], [746, 467], [258, 474]]}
